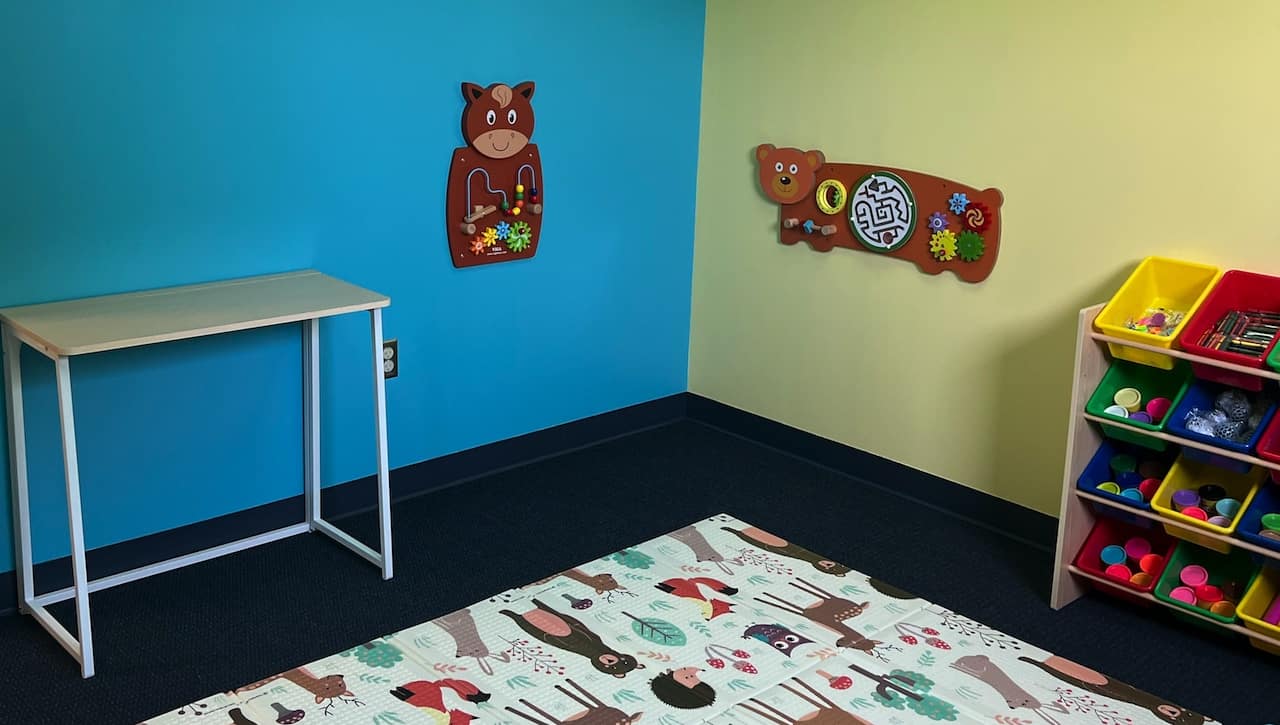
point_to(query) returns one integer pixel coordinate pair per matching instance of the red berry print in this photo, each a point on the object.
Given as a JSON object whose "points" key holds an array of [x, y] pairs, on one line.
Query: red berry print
{"points": [[935, 642], [742, 654], [716, 662], [908, 639], [930, 631], [842, 683], [746, 667]]}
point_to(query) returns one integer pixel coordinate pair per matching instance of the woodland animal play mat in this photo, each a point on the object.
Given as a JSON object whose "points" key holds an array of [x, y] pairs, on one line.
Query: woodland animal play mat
{"points": [[718, 622]]}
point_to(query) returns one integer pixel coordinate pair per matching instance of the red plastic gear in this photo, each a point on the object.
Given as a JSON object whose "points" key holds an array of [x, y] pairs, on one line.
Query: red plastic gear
{"points": [[977, 217]]}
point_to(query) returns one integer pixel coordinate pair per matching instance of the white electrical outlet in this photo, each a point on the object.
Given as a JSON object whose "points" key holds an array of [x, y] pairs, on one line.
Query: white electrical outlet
{"points": [[390, 359]]}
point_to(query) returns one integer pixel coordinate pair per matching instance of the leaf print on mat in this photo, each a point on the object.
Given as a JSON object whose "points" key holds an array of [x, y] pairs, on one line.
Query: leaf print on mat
{"points": [[657, 631]]}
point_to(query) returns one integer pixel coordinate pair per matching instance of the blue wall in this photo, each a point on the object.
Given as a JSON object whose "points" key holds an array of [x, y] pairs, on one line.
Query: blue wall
{"points": [[153, 143]]}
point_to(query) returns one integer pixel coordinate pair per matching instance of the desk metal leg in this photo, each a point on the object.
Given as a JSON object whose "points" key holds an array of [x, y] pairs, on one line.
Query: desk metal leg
{"points": [[72, 466], [18, 468], [311, 418], [380, 417], [312, 402]]}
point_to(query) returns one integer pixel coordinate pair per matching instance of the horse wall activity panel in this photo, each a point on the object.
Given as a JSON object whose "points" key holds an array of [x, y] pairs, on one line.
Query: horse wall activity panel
{"points": [[494, 199], [938, 224]]}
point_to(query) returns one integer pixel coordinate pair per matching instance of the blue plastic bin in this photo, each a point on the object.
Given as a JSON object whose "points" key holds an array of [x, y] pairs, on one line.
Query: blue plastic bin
{"points": [[1266, 501], [1099, 471], [1201, 395]]}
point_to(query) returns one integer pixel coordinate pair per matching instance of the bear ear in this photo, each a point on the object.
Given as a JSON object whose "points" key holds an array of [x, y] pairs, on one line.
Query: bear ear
{"points": [[763, 151], [525, 89], [471, 92], [815, 159]]}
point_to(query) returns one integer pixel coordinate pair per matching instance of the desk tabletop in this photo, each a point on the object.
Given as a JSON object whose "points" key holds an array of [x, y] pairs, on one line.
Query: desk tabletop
{"points": [[112, 322]]}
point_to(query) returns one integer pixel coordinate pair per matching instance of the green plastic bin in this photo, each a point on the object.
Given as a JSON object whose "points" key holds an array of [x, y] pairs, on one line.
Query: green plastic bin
{"points": [[1152, 382], [1237, 566]]}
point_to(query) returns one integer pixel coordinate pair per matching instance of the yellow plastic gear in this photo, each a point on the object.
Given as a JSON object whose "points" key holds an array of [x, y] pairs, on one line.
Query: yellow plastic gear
{"points": [[490, 236], [943, 245]]}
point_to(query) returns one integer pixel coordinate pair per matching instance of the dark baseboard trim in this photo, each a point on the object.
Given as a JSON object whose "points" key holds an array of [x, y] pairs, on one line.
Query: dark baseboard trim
{"points": [[345, 499], [353, 497], [1026, 525]]}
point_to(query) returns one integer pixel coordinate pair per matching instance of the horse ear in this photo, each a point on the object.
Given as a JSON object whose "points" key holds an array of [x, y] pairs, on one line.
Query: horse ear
{"points": [[636, 717], [525, 89], [639, 665], [471, 92], [319, 699]]}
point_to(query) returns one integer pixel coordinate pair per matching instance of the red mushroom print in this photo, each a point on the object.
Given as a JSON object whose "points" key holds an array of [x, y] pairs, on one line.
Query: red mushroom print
{"points": [[837, 682], [285, 716]]}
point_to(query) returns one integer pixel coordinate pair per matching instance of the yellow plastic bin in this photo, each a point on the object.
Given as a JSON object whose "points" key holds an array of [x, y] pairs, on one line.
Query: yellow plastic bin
{"points": [[1256, 602], [1157, 284], [1189, 474]]}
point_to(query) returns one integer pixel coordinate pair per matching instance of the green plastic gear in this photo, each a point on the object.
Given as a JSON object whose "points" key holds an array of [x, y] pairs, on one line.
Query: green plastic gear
{"points": [[970, 245], [520, 238]]}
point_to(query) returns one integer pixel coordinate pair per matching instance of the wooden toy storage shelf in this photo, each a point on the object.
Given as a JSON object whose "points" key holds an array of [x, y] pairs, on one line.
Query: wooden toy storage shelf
{"points": [[1076, 515]]}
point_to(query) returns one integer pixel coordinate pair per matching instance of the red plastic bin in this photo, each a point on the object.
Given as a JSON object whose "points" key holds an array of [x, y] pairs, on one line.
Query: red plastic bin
{"points": [[1269, 446], [1236, 290], [1107, 531]]}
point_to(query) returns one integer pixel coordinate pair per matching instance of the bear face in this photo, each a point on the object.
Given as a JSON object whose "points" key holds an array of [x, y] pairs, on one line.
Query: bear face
{"points": [[788, 174], [498, 120]]}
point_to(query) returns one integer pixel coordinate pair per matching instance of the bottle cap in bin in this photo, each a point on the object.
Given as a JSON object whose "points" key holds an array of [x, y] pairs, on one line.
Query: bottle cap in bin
{"points": [[1271, 522], [1123, 462], [1195, 512], [1185, 595], [1132, 494], [1109, 487], [1185, 498], [1118, 411], [1151, 564], [1140, 417], [1158, 408], [1148, 487], [1270, 534], [1223, 609], [1119, 571], [1193, 575], [1222, 521], [1228, 507], [1141, 579], [1208, 593], [1137, 547], [1113, 555], [1211, 493], [1129, 399]]}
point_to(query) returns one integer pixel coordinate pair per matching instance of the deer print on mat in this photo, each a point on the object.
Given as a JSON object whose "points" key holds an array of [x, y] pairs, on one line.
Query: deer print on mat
{"points": [[603, 584], [829, 611], [826, 713], [777, 545], [981, 667], [326, 689], [1077, 675], [560, 630], [596, 712], [703, 551], [462, 628]]}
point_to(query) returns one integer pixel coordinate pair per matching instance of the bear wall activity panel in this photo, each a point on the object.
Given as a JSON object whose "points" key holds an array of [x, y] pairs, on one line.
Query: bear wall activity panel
{"points": [[938, 224]]}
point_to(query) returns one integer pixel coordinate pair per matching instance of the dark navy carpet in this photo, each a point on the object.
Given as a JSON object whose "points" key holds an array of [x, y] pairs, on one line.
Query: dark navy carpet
{"points": [[165, 641]]}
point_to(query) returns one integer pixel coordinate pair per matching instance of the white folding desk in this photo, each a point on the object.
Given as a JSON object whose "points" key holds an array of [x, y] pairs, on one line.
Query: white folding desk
{"points": [[61, 330]]}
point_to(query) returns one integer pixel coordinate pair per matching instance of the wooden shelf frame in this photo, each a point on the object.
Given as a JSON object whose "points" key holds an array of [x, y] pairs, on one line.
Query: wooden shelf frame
{"points": [[1084, 436]]}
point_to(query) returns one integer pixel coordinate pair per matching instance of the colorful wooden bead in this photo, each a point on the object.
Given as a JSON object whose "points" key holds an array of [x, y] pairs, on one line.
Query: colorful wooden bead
{"points": [[516, 211], [519, 203], [519, 188]]}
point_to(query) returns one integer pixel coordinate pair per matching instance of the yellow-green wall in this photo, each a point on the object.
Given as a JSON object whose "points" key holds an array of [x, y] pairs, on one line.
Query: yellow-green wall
{"points": [[1115, 130]]}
